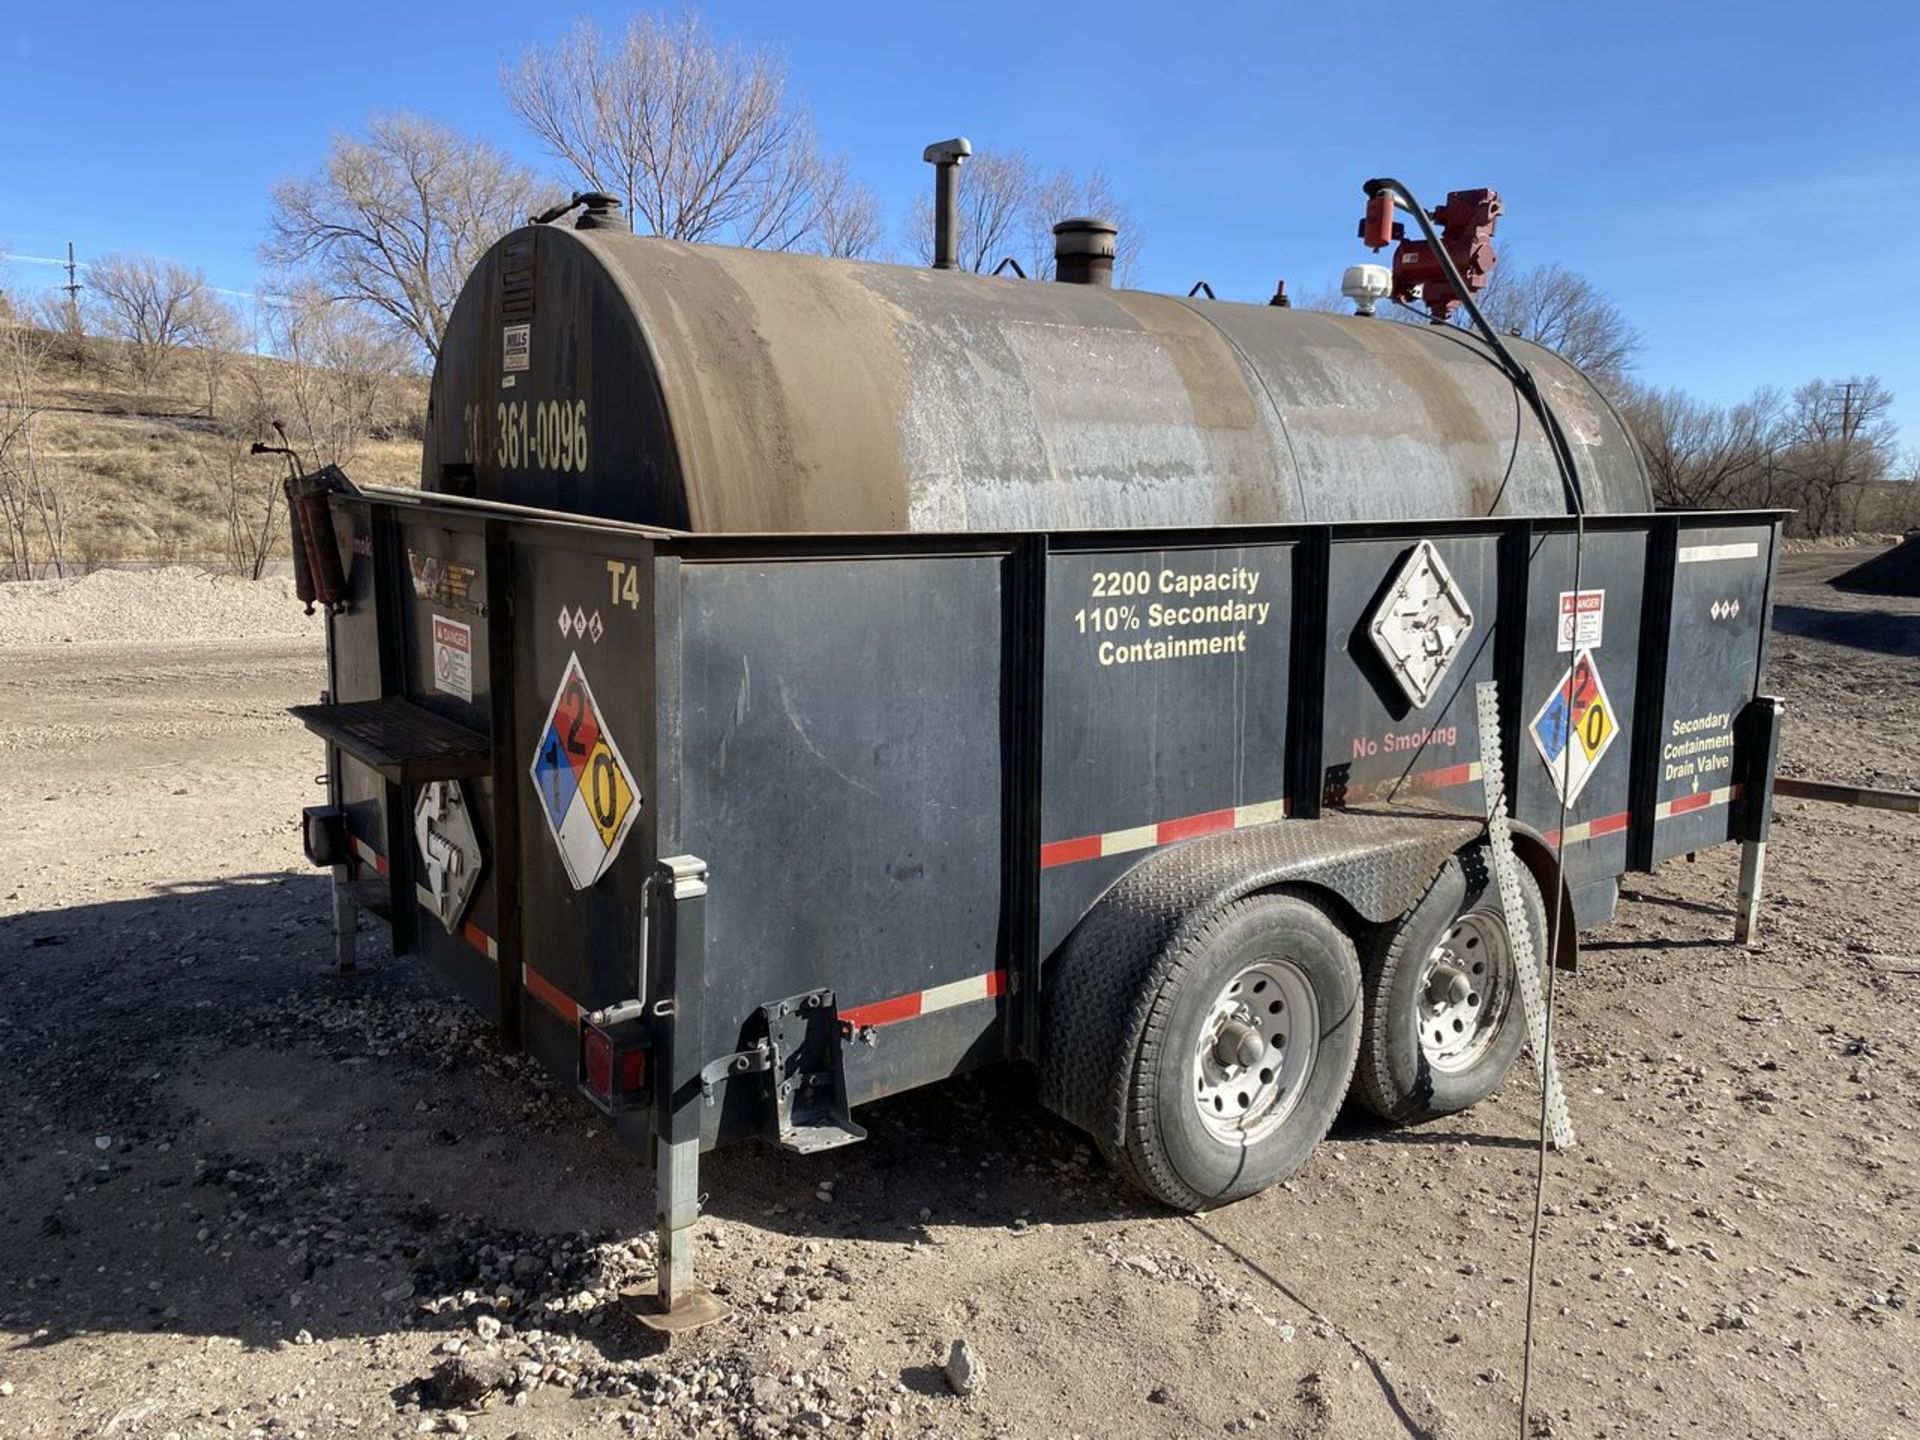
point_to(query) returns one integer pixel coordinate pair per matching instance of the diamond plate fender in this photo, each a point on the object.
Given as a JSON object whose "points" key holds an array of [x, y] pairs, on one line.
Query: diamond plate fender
{"points": [[1099, 988]]}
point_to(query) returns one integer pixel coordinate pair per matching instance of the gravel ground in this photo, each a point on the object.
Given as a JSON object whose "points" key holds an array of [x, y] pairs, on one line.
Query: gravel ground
{"points": [[238, 1198], [150, 607]]}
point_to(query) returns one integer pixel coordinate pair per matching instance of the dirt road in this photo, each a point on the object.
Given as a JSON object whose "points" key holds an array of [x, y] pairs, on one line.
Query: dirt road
{"points": [[243, 1199]]}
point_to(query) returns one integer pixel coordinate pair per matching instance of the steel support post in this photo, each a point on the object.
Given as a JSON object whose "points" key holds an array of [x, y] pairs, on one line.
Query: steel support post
{"points": [[1753, 869], [1756, 798], [676, 1301], [346, 924]]}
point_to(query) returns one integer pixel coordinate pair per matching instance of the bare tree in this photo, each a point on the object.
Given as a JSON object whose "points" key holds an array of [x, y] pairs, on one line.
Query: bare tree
{"points": [[395, 222], [848, 216], [33, 497], [1843, 438], [1008, 207], [251, 495], [340, 364], [1567, 313], [1702, 456], [154, 306], [700, 140], [218, 338]]}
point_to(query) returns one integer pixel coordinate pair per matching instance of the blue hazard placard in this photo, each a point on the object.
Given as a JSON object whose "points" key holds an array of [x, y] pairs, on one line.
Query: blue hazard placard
{"points": [[553, 775], [1550, 727]]}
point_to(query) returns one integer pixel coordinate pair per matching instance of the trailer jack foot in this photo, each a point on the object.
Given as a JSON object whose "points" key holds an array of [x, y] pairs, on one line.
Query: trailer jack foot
{"points": [[675, 1301], [696, 1308]]}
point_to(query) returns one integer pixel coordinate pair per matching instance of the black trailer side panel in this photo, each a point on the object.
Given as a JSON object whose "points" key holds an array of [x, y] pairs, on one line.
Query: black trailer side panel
{"points": [[1378, 745], [842, 748], [445, 660], [580, 745], [1568, 639], [1715, 638], [1165, 688]]}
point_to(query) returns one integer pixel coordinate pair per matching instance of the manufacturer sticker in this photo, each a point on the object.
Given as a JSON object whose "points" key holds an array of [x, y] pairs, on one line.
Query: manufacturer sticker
{"points": [[1582, 619], [1575, 727], [586, 789], [1725, 609], [516, 347], [452, 657], [443, 582]]}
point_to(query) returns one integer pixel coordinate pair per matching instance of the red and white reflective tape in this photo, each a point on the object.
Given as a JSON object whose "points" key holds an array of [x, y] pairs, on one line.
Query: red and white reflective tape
{"points": [[1699, 800], [1410, 784], [1166, 832], [1665, 810], [927, 1002], [367, 853], [469, 932], [1594, 829], [551, 995]]}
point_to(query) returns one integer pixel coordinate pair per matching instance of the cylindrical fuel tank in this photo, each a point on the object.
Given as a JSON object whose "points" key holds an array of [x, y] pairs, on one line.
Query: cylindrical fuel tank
{"points": [[714, 389]]}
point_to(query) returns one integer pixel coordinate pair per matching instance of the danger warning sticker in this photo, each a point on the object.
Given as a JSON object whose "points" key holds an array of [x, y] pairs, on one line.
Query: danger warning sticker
{"points": [[452, 657], [1582, 617], [586, 790], [1575, 727]]}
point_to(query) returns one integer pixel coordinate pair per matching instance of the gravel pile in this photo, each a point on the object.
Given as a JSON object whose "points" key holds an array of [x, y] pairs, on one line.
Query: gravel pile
{"points": [[123, 607]]}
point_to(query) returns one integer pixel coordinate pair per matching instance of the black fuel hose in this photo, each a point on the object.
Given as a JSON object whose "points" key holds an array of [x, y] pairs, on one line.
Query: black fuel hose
{"points": [[1517, 371], [1523, 381]]}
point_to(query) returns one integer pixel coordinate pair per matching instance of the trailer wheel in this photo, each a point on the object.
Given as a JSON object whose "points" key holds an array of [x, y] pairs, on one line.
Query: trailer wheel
{"points": [[1249, 1043], [1444, 1022]]}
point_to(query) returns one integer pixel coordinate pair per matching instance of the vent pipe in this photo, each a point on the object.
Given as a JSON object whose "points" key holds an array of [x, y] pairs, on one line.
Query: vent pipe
{"points": [[945, 157], [1083, 250]]}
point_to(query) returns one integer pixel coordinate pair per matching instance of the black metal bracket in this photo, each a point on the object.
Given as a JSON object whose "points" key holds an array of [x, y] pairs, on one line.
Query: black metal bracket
{"points": [[809, 1084], [742, 1062]]}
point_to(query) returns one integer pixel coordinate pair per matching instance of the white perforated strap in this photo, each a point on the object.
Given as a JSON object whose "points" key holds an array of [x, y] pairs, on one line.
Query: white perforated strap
{"points": [[1506, 875]]}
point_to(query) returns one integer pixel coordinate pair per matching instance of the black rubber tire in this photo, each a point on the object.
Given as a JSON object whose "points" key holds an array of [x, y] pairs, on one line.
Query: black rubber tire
{"points": [[1169, 1153], [1394, 1079]]}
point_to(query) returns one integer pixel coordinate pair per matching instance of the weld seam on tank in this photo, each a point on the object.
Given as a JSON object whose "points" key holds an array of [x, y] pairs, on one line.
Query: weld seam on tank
{"points": [[1273, 405]]}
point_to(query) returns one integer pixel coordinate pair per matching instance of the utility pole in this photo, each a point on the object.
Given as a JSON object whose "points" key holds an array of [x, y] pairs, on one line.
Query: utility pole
{"points": [[72, 287]]}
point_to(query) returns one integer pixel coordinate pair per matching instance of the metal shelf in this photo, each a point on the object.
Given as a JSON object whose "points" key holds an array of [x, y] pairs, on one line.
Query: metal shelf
{"points": [[404, 743]]}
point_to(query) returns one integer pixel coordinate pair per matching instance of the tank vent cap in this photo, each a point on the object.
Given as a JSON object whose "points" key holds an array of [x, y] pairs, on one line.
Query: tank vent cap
{"points": [[600, 212], [1083, 250]]}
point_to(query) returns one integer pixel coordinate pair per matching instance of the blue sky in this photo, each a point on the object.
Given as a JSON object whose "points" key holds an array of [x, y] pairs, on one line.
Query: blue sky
{"points": [[1743, 178]]}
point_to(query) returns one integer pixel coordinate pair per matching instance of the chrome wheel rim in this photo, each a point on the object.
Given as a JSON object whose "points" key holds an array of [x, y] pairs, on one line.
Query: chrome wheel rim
{"points": [[1255, 1051], [1465, 987]]}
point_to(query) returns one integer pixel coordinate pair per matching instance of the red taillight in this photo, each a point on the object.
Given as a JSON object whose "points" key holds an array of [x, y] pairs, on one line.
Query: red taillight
{"points": [[597, 1055]]}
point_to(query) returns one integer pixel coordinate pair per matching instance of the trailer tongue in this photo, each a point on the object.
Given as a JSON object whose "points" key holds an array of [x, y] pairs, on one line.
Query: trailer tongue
{"points": [[741, 831]]}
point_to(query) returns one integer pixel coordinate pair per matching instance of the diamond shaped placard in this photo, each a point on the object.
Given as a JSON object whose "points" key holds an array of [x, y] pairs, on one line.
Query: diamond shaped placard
{"points": [[587, 791], [1575, 727], [1422, 623], [449, 850]]}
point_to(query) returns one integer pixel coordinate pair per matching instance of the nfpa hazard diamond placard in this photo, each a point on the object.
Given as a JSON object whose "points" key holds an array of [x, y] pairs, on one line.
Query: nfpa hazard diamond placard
{"points": [[587, 793], [1575, 727]]}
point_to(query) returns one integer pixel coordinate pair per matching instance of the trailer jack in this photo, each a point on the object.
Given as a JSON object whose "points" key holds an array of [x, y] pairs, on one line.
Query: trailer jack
{"points": [[675, 1302]]}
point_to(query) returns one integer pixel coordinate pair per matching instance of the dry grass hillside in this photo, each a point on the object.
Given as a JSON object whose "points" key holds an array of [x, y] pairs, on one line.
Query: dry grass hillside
{"points": [[159, 470]]}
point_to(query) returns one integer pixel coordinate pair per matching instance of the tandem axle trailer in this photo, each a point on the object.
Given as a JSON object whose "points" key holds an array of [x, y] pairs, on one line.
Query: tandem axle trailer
{"points": [[741, 832]]}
